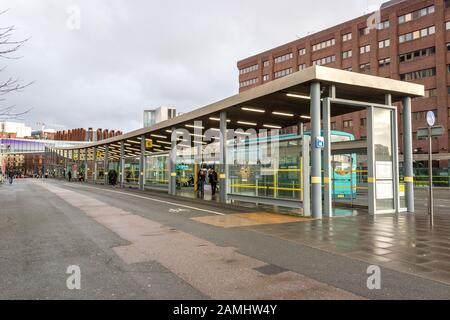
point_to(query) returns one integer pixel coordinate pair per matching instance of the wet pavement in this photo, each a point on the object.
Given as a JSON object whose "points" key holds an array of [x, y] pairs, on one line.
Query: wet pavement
{"points": [[405, 242]]}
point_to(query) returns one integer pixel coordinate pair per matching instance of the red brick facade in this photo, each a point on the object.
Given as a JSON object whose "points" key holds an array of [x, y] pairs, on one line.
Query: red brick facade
{"points": [[86, 135], [391, 11]]}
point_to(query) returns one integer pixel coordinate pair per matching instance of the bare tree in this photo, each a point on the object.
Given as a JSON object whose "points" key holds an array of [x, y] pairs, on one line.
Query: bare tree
{"points": [[8, 51]]}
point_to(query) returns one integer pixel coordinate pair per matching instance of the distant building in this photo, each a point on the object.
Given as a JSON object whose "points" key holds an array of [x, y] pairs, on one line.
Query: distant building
{"points": [[88, 135], [14, 130], [154, 116], [44, 134]]}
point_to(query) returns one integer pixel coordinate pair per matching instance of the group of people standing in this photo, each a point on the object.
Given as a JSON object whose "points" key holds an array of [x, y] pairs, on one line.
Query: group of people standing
{"points": [[204, 174]]}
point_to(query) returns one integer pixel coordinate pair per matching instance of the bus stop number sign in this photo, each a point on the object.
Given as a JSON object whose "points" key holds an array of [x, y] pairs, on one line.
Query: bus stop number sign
{"points": [[320, 142]]}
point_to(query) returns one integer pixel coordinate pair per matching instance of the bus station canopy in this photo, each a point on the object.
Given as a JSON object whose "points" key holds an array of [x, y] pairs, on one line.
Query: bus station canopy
{"points": [[280, 103]]}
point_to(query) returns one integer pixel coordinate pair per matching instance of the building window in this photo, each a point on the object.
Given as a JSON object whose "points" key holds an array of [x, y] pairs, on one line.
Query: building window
{"points": [[323, 61], [302, 66], [384, 25], [248, 82], [266, 77], [248, 69], [347, 54], [421, 115], [384, 62], [266, 63], [333, 125], [365, 67], [417, 34], [302, 52], [347, 37], [284, 57], [364, 31], [324, 44], [348, 123], [410, 56], [282, 73], [429, 93], [384, 43], [418, 74], [364, 49], [363, 122], [415, 14]]}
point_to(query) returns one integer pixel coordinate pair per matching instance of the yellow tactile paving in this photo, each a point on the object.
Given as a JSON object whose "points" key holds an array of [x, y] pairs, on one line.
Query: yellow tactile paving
{"points": [[248, 219]]}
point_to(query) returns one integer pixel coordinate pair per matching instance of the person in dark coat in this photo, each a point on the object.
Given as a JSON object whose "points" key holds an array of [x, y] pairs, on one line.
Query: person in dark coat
{"points": [[69, 175], [213, 181], [201, 182]]}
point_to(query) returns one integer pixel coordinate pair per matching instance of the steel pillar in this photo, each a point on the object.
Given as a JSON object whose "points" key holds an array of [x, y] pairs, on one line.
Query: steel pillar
{"points": [[408, 171], [173, 164], [106, 165], [94, 166], [122, 163], [223, 157], [316, 157], [370, 162], [306, 176], [328, 210], [142, 164], [86, 165]]}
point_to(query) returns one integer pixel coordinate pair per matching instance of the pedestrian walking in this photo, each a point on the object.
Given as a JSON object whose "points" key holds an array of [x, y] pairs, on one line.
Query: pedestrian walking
{"points": [[213, 181], [201, 182]]}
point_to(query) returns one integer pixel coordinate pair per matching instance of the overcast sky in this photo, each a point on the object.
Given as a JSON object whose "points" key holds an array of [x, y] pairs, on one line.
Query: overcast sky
{"points": [[131, 55]]}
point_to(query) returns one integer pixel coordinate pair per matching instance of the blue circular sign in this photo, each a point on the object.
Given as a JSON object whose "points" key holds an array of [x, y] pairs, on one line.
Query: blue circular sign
{"points": [[431, 118]]}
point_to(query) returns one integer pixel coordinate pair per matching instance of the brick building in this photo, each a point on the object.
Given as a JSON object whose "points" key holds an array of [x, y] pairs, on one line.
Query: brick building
{"points": [[410, 42], [88, 135]]}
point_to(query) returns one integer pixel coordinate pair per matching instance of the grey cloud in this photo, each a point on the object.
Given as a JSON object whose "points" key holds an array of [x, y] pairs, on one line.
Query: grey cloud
{"points": [[129, 55]]}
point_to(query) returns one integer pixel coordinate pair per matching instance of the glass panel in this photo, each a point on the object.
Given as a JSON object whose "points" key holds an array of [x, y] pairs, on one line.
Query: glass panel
{"points": [[266, 168], [157, 170], [384, 170], [131, 169]]}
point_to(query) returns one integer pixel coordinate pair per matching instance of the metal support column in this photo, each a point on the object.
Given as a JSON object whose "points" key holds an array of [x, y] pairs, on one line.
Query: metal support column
{"points": [[78, 163], [328, 211], [306, 177], [122, 163], [316, 157], [106, 165], [86, 164], [142, 164], [395, 173], [173, 164], [65, 155], [371, 180], [408, 171], [94, 166], [44, 163], [223, 157]]}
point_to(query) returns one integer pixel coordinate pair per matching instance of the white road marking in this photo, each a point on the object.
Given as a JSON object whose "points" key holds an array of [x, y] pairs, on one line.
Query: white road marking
{"points": [[156, 200]]}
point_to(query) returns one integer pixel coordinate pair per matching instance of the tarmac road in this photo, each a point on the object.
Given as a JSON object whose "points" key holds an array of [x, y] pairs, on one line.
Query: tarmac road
{"points": [[133, 245]]}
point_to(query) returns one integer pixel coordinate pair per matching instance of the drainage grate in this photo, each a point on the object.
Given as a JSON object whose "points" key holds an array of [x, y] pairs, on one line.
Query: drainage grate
{"points": [[270, 269]]}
